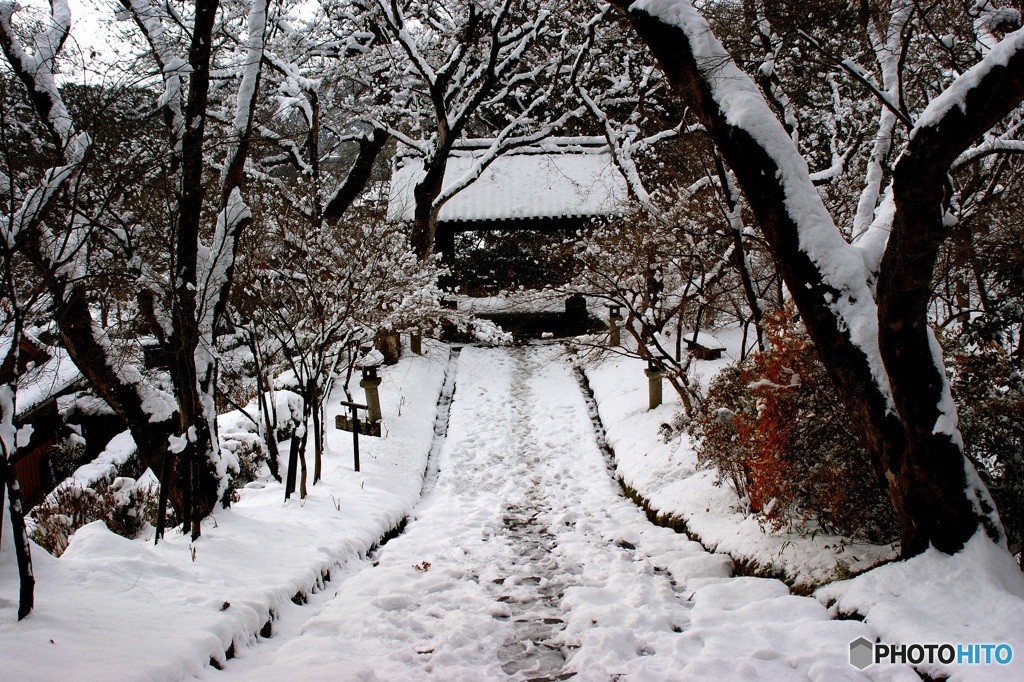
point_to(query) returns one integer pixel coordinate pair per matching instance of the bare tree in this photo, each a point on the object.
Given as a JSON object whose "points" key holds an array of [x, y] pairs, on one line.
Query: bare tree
{"points": [[183, 291], [682, 186], [326, 289], [24, 217], [16, 304]]}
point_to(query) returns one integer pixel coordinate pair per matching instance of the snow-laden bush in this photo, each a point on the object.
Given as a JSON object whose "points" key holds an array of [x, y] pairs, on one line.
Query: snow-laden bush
{"points": [[245, 454], [124, 504], [776, 432], [65, 456]]}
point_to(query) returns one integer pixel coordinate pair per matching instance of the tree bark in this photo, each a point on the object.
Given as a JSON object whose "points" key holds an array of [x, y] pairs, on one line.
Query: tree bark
{"points": [[934, 463], [369, 149], [424, 218], [318, 437], [293, 462], [22, 548]]}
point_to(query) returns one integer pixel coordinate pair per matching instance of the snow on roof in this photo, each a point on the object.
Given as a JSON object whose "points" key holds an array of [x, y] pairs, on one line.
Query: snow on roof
{"points": [[44, 381], [703, 339], [566, 178]]}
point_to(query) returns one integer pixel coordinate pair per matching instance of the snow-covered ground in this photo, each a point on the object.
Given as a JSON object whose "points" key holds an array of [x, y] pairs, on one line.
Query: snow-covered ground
{"points": [[116, 609], [975, 597], [525, 560], [666, 474], [521, 560]]}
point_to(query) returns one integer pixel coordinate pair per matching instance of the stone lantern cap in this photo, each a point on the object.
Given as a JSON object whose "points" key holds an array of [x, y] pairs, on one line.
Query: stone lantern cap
{"points": [[372, 359]]}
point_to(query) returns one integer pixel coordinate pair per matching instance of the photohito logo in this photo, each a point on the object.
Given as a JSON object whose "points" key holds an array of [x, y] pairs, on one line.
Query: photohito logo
{"points": [[864, 653]]}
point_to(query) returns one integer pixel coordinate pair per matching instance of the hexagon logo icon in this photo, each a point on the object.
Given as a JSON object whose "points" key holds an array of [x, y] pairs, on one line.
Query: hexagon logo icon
{"points": [[861, 653]]}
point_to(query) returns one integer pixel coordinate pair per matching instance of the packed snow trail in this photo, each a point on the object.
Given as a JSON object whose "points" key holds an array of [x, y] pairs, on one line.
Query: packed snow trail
{"points": [[524, 561]]}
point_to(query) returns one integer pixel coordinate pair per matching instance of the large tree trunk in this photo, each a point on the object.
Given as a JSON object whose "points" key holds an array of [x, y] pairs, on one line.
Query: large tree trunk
{"points": [[934, 463], [196, 460], [22, 548], [923, 463]]}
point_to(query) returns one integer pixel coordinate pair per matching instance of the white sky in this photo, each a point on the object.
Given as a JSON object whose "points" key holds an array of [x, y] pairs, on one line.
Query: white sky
{"points": [[91, 21]]}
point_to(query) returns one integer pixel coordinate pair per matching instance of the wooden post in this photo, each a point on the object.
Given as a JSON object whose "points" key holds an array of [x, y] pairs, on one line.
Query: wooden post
{"points": [[416, 342], [355, 439], [355, 407]]}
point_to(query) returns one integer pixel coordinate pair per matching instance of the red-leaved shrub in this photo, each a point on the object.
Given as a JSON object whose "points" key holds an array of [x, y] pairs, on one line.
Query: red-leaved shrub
{"points": [[776, 432]]}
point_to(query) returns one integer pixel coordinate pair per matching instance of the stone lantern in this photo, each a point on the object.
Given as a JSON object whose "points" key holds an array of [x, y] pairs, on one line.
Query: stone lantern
{"points": [[370, 383], [654, 375], [614, 318]]}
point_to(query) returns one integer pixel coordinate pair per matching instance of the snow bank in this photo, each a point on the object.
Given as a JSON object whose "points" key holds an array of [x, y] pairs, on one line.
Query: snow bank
{"points": [[666, 474], [973, 597], [106, 465], [112, 608]]}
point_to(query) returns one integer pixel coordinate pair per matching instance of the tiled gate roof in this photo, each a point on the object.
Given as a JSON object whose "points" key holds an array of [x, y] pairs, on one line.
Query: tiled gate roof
{"points": [[561, 178]]}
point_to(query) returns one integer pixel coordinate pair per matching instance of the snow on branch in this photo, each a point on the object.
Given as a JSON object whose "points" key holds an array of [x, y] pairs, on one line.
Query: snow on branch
{"points": [[29, 213], [995, 145], [622, 153], [396, 23], [151, 20], [584, 50], [988, 20], [874, 237], [772, 44], [1008, 52], [36, 69], [887, 48], [217, 260], [862, 76], [255, 44], [496, 69]]}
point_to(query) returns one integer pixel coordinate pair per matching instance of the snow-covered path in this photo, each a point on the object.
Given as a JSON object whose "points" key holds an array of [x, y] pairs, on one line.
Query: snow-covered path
{"points": [[524, 560]]}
